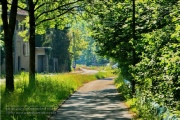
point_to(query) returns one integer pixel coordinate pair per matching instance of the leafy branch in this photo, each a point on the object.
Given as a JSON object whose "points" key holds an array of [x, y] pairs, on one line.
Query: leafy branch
{"points": [[57, 8], [48, 19]]}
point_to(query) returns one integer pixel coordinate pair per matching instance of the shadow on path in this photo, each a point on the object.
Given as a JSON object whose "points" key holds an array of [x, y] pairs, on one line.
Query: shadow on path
{"points": [[103, 104]]}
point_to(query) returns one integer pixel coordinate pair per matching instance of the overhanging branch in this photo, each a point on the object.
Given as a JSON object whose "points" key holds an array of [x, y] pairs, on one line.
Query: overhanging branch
{"points": [[41, 5], [48, 19], [57, 8], [19, 7], [36, 2]]}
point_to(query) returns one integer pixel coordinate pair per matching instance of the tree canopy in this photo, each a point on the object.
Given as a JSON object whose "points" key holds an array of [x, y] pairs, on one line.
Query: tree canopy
{"points": [[156, 44]]}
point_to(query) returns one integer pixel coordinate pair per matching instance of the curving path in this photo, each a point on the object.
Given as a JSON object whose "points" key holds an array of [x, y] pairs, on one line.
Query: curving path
{"points": [[96, 100]]}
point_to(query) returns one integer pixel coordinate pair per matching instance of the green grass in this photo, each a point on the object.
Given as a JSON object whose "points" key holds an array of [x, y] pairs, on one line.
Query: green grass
{"points": [[2, 76], [49, 92]]}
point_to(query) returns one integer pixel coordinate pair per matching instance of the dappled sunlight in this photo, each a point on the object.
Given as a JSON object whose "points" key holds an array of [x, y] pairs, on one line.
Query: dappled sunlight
{"points": [[99, 104]]}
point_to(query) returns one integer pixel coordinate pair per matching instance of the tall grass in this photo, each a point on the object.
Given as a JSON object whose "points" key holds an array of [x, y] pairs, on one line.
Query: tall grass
{"points": [[50, 90]]}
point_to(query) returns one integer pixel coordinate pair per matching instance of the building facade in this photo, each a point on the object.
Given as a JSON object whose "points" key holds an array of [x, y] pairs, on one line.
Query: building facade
{"points": [[21, 50]]}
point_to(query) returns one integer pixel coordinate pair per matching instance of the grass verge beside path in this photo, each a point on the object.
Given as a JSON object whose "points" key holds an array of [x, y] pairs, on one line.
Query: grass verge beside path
{"points": [[125, 91], [50, 90]]}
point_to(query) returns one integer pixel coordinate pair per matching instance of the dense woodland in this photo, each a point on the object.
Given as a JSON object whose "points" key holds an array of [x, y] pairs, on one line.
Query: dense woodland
{"points": [[143, 36]]}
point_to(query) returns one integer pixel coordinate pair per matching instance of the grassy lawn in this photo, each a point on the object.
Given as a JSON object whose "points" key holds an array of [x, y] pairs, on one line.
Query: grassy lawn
{"points": [[38, 103]]}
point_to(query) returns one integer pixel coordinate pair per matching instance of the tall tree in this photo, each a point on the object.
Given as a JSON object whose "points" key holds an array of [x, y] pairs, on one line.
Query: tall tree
{"points": [[114, 31], [9, 21], [59, 42], [43, 15], [78, 36], [31, 10], [41, 12], [134, 39]]}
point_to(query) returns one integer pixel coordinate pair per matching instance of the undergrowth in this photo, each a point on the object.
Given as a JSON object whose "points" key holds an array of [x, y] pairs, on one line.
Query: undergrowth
{"points": [[143, 106]]}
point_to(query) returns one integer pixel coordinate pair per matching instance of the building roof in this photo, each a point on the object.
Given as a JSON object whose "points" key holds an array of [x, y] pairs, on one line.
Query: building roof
{"points": [[22, 12]]}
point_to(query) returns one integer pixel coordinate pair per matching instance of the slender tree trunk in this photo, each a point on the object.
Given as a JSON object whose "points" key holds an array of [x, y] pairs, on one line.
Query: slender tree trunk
{"points": [[31, 6], [176, 84], [134, 53], [9, 28]]}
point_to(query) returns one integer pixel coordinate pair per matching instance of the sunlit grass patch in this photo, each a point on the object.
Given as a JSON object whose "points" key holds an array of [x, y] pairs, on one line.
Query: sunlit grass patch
{"points": [[131, 104], [50, 90]]}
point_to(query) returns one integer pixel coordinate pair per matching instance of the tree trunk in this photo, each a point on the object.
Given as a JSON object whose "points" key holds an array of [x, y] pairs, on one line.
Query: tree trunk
{"points": [[176, 84], [31, 44], [9, 28], [9, 64], [134, 53]]}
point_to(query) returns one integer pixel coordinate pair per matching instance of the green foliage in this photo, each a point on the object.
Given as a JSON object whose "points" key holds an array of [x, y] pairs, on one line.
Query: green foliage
{"points": [[156, 46], [158, 71], [112, 33], [122, 87], [78, 36], [60, 43]]}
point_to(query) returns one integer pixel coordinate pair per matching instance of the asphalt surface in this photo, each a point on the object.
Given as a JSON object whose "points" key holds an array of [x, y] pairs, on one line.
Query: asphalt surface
{"points": [[96, 100]]}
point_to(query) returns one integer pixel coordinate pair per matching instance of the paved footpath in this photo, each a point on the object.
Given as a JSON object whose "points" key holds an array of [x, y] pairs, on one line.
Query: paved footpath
{"points": [[96, 100]]}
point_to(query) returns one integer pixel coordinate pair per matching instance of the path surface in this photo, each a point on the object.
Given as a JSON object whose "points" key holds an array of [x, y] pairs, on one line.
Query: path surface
{"points": [[85, 71], [96, 100]]}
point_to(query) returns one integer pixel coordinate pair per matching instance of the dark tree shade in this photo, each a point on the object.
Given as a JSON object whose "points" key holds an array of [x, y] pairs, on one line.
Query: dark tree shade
{"points": [[9, 28], [60, 50]]}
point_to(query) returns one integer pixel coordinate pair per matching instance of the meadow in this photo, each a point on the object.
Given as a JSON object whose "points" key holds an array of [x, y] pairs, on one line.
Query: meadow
{"points": [[41, 101]]}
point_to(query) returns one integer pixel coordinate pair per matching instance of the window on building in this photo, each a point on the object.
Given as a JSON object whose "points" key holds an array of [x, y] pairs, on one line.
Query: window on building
{"points": [[19, 25], [26, 49]]}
